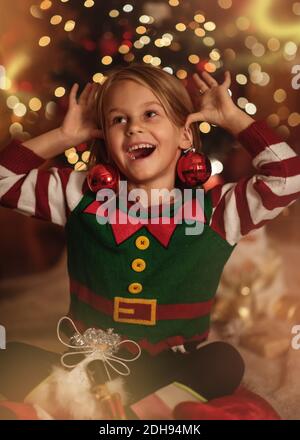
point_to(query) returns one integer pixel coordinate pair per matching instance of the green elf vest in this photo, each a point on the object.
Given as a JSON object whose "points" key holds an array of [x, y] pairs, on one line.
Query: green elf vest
{"points": [[152, 285]]}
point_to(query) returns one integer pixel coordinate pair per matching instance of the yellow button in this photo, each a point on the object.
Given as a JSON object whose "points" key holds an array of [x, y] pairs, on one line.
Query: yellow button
{"points": [[142, 242], [135, 288], [138, 265]]}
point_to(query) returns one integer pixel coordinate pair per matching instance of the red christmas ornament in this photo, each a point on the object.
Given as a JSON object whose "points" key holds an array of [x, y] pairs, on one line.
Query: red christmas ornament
{"points": [[103, 176], [193, 168]]}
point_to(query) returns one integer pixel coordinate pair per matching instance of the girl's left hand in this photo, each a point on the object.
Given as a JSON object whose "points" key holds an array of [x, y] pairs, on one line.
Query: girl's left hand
{"points": [[215, 104]]}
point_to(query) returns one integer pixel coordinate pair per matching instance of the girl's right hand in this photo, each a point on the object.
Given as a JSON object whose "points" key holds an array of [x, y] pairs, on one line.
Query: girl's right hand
{"points": [[79, 125]]}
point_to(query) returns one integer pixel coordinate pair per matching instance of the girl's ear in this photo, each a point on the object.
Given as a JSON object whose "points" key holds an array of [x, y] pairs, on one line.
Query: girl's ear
{"points": [[186, 138]]}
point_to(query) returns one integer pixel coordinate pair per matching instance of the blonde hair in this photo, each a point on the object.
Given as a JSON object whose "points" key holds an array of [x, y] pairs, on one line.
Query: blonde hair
{"points": [[167, 88]]}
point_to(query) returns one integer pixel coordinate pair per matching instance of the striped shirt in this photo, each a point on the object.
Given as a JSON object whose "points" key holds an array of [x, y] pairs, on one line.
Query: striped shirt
{"points": [[238, 207]]}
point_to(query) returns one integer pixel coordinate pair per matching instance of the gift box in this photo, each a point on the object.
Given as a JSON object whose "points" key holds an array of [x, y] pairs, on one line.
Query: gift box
{"points": [[160, 404]]}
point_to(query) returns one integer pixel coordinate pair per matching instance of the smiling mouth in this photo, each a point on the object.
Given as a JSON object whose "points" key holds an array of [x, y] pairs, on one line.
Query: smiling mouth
{"points": [[140, 152]]}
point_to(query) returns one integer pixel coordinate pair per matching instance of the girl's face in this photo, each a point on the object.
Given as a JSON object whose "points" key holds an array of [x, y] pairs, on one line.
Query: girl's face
{"points": [[141, 139]]}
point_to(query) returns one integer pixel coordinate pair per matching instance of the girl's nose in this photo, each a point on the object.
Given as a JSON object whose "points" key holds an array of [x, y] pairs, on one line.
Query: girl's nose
{"points": [[134, 127], [133, 130]]}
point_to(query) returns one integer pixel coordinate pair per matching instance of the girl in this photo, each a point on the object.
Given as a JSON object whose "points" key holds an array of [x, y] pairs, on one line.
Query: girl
{"points": [[154, 285]]}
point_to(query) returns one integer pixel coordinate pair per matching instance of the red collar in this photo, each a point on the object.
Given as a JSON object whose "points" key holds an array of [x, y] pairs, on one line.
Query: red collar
{"points": [[124, 228]]}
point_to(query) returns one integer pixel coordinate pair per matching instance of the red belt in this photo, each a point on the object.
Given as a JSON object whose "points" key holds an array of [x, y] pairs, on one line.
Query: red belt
{"points": [[139, 310]]}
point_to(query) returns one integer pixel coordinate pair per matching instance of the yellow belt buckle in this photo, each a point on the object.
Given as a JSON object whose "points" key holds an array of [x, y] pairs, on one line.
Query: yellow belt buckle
{"points": [[130, 314]]}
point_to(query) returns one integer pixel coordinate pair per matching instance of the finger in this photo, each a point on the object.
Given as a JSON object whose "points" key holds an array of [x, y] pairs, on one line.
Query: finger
{"points": [[209, 79], [227, 80], [73, 94], [85, 93], [193, 117], [92, 95], [202, 86]]}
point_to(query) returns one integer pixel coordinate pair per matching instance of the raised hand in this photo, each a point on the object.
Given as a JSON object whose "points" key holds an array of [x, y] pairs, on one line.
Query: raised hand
{"points": [[216, 106], [79, 124]]}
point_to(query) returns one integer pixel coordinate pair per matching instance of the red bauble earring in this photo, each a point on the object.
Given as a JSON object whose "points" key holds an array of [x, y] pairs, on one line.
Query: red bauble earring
{"points": [[103, 176], [193, 168]]}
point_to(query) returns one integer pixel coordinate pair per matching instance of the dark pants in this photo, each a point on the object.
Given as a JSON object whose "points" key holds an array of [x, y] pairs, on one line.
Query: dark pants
{"points": [[214, 370]]}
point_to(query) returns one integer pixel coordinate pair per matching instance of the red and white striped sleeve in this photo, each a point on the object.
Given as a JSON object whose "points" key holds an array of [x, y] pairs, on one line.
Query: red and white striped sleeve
{"points": [[48, 194], [248, 204]]}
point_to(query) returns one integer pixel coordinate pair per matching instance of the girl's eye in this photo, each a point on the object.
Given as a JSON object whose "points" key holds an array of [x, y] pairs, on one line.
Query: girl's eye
{"points": [[150, 111], [118, 119]]}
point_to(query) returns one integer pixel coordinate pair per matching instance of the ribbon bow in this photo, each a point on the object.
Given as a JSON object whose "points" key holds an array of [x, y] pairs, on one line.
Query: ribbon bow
{"points": [[97, 344]]}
